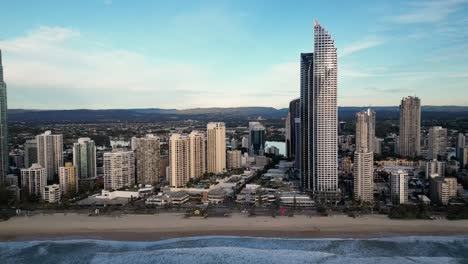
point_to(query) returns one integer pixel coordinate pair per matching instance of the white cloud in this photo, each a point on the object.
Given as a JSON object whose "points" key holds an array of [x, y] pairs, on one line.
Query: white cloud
{"points": [[359, 46], [65, 61], [429, 11]]}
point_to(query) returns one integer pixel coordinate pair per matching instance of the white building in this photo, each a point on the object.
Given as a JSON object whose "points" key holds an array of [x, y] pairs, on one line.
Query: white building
{"points": [[34, 179], [437, 142], [50, 153], [399, 186], [68, 179], [119, 169], [216, 147], [147, 156], [84, 158], [52, 193], [245, 142]]}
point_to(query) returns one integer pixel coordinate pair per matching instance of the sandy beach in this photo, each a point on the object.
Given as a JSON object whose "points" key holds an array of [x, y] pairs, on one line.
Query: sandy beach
{"points": [[154, 227]]}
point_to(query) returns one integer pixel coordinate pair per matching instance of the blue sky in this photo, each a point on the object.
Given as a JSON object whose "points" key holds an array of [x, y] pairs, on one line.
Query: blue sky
{"points": [[219, 53]]}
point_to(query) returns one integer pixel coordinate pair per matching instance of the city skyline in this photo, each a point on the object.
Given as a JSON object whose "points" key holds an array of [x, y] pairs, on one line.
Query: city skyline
{"points": [[386, 61]]}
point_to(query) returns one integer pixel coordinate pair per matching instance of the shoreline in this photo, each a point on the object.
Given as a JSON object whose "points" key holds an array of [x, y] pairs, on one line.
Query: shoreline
{"points": [[173, 225]]}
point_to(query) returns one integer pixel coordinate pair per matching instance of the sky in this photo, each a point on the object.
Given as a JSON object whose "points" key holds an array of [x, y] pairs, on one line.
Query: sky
{"points": [[226, 53]]}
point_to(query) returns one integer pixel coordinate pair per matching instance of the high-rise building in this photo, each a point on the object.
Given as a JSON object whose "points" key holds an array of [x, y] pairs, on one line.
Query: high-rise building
{"points": [[119, 169], [216, 147], [293, 146], [257, 138], [34, 179], [197, 159], [364, 157], [442, 189], [68, 179], [30, 153], [464, 157], [51, 193], [50, 153], [319, 123], [84, 158], [147, 155], [245, 142], [3, 126], [437, 142], [378, 145], [234, 144], [287, 135], [410, 127], [179, 160], [461, 142], [399, 187], [234, 160], [435, 169]]}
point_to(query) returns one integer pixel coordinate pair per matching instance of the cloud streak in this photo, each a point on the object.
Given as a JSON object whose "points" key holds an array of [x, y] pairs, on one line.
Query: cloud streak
{"points": [[429, 11]]}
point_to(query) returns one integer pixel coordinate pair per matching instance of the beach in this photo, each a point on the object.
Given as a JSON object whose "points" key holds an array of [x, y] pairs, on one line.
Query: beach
{"points": [[172, 225]]}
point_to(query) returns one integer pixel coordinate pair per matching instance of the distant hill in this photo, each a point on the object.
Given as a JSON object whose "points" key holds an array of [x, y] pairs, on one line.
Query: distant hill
{"points": [[230, 113]]}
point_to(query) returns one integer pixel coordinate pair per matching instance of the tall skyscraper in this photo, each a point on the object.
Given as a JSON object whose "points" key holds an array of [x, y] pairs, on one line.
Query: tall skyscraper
{"points": [[3, 126], [119, 169], [197, 154], [179, 160], [364, 157], [50, 153], [287, 134], [293, 148], [68, 179], [410, 127], [437, 142], [30, 153], [216, 147], [34, 179], [257, 139], [319, 83], [461, 141], [84, 158], [147, 155]]}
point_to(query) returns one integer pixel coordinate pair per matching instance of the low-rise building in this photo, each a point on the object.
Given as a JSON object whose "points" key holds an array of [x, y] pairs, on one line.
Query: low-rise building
{"points": [[293, 199], [51, 193], [168, 198]]}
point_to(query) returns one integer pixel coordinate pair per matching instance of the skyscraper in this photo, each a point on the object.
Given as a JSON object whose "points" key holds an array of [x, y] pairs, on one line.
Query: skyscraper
{"points": [[119, 169], [3, 126], [147, 155], [234, 159], [399, 187], [197, 154], [179, 160], [34, 179], [50, 153], [364, 157], [216, 147], [68, 179], [257, 139], [437, 142], [293, 148], [410, 127], [319, 83], [461, 142], [30, 153], [84, 158]]}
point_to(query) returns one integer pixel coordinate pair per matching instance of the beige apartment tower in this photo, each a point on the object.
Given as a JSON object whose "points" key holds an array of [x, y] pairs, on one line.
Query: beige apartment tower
{"points": [[179, 160], [410, 127], [147, 155], [68, 179], [197, 154], [234, 159], [119, 169], [50, 153], [437, 142], [364, 157], [216, 147]]}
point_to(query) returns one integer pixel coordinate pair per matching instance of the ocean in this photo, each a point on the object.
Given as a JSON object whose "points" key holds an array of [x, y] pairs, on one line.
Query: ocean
{"points": [[395, 250]]}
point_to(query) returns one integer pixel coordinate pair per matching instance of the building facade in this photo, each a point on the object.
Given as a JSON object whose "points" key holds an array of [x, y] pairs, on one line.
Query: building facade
{"points": [[443, 189], [30, 153], [50, 153], [437, 143], [51, 193], [84, 158], [435, 168], [257, 138], [294, 122], [197, 154], [399, 187], [410, 127], [34, 179], [179, 160], [3, 126], [147, 156], [319, 83], [68, 179], [216, 147], [119, 169], [234, 158]]}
